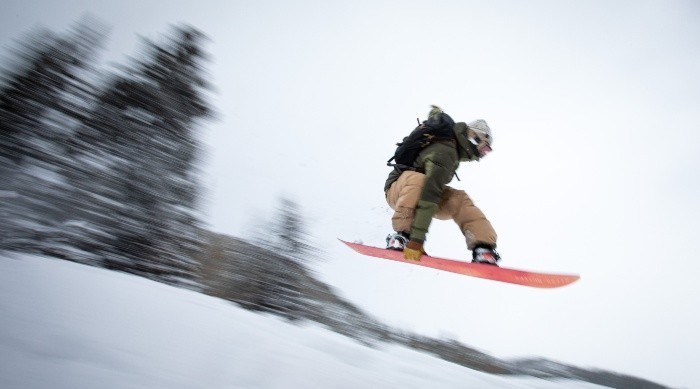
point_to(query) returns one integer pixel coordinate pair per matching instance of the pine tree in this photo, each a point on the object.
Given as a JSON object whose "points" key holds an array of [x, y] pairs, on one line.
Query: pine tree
{"points": [[288, 233], [41, 101], [104, 172], [141, 144]]}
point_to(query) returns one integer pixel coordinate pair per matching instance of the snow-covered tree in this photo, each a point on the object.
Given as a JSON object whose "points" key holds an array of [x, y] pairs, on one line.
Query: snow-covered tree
{"points": [[141, 147], [104, 171], [286, 232], [42, 100]]}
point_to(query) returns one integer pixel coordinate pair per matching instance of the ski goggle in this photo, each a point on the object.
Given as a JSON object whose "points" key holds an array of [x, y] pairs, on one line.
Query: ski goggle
{"points": [[482, 146], [484, 149]]}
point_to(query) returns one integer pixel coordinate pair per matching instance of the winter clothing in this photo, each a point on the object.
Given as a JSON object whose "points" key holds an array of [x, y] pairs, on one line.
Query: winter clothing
{"points": [[397, 241], [485, 255], [418, 195], [413, 250], [482, 129], [413, 214]]}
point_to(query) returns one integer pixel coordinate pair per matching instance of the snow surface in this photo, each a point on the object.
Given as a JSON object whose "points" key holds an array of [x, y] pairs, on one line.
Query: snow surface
{"points": [[65, 325]]}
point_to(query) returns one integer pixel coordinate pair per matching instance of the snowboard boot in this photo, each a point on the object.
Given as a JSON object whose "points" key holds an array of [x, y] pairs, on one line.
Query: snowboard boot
{"points": [[397, 241], [486, 255]]}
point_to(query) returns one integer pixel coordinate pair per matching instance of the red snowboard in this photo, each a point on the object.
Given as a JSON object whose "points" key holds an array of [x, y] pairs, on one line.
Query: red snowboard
{"points": [[490, 272]]}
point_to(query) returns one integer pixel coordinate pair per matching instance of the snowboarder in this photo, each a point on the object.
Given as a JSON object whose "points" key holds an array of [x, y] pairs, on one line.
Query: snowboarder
{"points": [[418, 191]]}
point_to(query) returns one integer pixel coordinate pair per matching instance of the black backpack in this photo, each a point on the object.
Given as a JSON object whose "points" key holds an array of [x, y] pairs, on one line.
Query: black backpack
{"points": [[437, 127]]}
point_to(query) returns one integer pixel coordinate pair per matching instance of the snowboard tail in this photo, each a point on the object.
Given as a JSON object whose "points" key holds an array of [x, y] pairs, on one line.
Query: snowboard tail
{"points": [[489, 272]]}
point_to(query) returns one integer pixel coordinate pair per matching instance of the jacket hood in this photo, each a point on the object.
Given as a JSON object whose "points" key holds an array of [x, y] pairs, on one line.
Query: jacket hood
{"points": [[466, 149]]}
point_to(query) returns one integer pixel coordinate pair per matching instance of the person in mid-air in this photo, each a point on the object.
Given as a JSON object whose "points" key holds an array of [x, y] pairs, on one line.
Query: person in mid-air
{"points": [[417, 191]]}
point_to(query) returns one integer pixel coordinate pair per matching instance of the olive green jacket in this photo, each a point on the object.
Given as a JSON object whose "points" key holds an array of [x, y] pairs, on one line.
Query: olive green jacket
{"points": [[438, 162]]}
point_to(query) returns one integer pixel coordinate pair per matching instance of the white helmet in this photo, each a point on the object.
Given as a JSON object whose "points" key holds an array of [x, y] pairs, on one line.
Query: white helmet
{"points": [[482, 130]]}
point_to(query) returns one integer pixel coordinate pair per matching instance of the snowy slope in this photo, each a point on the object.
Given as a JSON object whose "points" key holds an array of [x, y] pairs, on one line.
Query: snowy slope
{"points": [[64, 325]]}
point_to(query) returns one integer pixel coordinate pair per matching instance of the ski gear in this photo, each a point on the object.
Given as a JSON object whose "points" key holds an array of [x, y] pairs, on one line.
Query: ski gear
{"points": [[397, 241], [474, 140], [502, 274], [413, 251], [486, 255], [420, 193], [481, 137], [482, 129], [484, 150], [438, 127], [413, 215]]}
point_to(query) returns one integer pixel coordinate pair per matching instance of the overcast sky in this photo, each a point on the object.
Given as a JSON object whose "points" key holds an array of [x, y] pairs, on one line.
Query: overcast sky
{"points": [[594, 107]]}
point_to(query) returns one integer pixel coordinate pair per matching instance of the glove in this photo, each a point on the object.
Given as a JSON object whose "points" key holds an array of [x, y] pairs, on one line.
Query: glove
{"points": [[413, 250]]}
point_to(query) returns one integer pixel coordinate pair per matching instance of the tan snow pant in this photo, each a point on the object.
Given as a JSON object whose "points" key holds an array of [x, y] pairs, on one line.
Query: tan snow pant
{"points": [[455, 204]]}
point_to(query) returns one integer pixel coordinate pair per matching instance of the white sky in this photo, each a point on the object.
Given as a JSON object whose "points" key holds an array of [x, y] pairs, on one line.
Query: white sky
{"points": [[594, 108]]}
